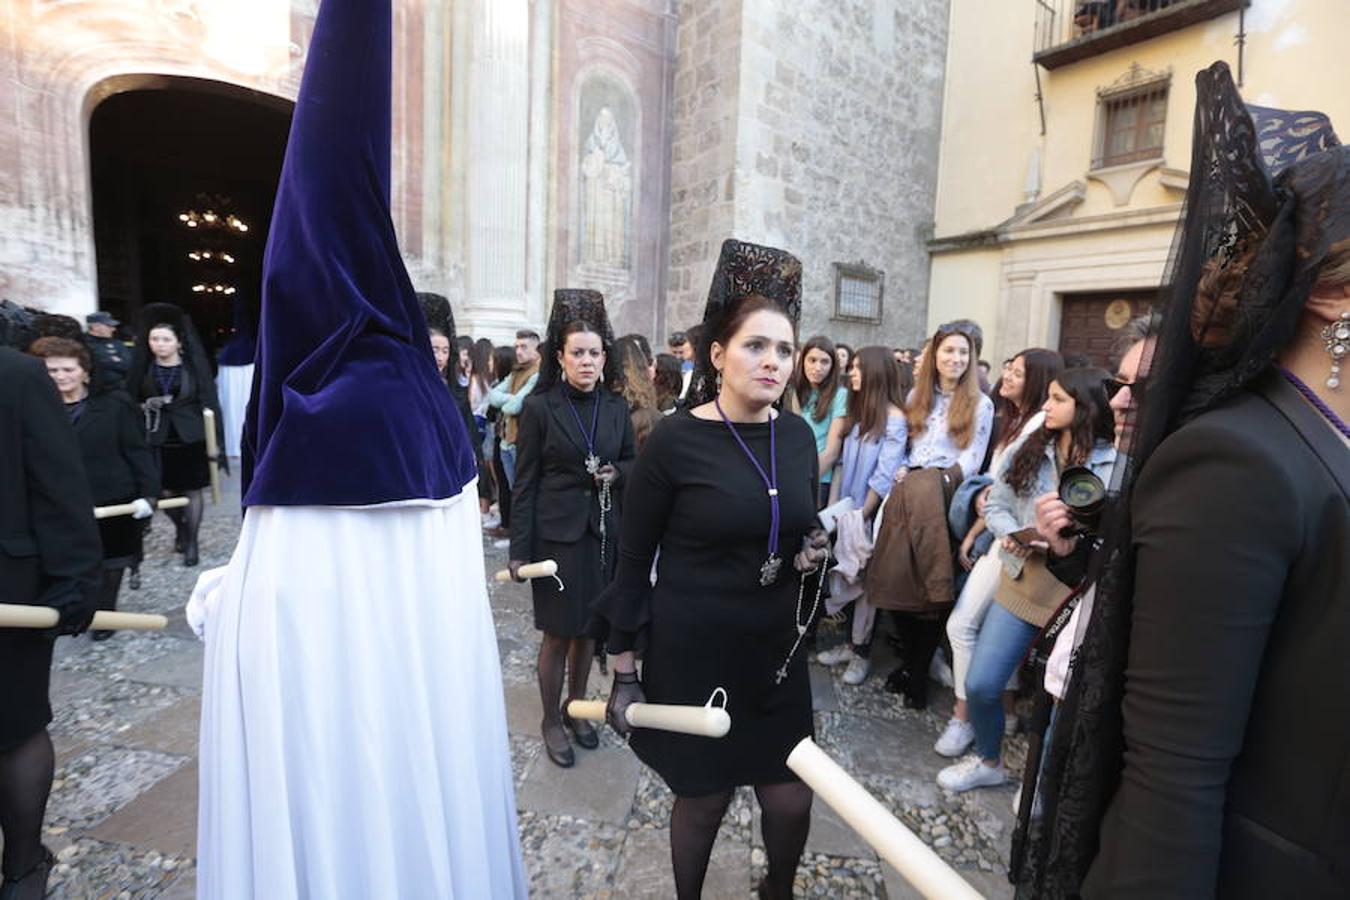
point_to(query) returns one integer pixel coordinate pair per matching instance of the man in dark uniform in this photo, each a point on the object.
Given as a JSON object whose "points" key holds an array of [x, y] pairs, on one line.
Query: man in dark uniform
{"points": [[111, 356], [49, 556]]}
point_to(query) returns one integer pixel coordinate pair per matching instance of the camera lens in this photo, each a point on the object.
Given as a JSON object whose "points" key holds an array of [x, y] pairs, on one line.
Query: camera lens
{"points": [[1082, 491]]}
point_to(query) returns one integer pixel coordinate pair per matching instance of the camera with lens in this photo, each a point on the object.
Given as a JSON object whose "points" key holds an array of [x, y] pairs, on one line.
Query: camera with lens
{"points": [[1085, 495]]}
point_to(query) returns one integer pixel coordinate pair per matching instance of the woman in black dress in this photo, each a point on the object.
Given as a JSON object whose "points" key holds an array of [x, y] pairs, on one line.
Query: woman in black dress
{"points": [[574, 447], [117, 462], [48, 557], [172, 381], [726, 490], [1202, 747]]}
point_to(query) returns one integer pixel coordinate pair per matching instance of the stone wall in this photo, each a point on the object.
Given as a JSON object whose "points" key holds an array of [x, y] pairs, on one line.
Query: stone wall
{"points": [[703, 156], [833, 108], [60, 60]]}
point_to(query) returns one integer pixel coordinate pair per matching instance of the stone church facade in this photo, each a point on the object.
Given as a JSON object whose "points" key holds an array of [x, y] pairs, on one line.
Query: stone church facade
{"points": [[537, 144]]}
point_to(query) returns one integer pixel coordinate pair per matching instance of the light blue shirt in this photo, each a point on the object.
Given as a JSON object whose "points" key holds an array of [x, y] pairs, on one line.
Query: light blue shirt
{"points": [[872, 463], [821, 427], [510, 404]]}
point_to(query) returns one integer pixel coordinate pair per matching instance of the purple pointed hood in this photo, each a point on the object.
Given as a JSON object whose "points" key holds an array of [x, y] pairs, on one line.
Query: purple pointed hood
{"points": [[347, 406]]}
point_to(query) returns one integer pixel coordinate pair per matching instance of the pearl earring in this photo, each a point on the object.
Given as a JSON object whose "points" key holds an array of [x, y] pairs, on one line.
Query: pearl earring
{"points": [[1337, 337]]}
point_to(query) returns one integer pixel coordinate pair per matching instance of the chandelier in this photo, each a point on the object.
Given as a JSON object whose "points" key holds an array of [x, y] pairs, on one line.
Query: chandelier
{"points": [[212, 256], [211, 219], [209, 255]]}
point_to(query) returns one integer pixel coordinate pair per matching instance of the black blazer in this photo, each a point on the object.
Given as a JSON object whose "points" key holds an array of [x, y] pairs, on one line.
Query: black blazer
{"points": [[196, 391], [1237, 698], [553, 497], [117, 460], [49, 545]]}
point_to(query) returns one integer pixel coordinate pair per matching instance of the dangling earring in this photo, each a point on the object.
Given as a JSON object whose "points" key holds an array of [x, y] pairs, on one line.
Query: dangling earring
{"points": [[719, 381], [1337, 337]]}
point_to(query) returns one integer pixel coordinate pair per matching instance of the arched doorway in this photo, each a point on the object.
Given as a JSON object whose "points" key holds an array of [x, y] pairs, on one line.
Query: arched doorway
{"points": [[184, 174]]}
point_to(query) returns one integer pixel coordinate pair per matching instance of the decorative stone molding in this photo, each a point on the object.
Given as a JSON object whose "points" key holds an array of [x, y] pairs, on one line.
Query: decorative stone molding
{"points": [[1121, 180]]}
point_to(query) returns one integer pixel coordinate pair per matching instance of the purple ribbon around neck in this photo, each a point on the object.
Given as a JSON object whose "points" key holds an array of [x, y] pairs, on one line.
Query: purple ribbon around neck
{"points": [[166, 382], [595, 422], [770, 479], [1327, 412]]}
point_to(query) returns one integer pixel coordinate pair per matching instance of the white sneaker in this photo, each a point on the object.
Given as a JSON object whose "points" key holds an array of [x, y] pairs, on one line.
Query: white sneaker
{"points": [[835, 655], [956, 738], [857, 670], [491, 520], [502, 544], [971, 773]]}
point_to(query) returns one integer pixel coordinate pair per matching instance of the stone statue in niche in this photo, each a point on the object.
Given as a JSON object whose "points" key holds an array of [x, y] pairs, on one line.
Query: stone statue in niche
{"points": [[606, 195]]}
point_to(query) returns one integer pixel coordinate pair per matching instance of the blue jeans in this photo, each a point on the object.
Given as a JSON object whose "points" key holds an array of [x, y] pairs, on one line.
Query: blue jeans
{"points": [[1002, 643], [509, 465]]}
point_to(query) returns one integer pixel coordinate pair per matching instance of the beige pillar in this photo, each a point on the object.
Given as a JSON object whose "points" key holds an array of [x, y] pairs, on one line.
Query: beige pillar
{"points": [[497, 167]]}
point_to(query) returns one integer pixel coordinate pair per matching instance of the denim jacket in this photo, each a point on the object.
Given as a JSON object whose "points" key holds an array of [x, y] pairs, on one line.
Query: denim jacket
{"points": [[1008, 511]]}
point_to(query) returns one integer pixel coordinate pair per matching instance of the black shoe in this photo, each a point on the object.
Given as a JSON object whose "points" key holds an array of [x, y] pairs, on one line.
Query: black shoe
{"points": [[583, 732], [190, 554], [31, 885], [913, 691], [562, 757], [134, 579], [100, 634]]}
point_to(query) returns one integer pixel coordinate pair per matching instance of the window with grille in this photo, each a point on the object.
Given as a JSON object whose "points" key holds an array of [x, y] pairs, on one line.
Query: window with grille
{"points": [[1132, 127], [857, 292]]}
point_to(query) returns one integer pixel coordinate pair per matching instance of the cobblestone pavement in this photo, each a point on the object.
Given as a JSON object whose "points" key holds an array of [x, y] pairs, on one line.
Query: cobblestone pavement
{"points": [[122, 818]]}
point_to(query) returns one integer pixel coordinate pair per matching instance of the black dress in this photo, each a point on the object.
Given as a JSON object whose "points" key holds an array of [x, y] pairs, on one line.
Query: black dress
{"points": [[177, 432], [49, 550], [120, 467], [555, 505], [708, 623]]}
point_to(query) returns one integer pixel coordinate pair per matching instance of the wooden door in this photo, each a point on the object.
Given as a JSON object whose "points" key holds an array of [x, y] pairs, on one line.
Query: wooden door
{"points": [[1090, 324]]}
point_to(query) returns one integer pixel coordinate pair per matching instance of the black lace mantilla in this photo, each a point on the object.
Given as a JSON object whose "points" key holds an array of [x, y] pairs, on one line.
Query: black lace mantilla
{"points": [[572, 305], [1269, 198], [743, 269]]}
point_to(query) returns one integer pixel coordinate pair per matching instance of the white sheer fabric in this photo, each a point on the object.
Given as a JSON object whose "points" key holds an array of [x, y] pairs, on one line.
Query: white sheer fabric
{"points": [[234, 384], [354, 738]]}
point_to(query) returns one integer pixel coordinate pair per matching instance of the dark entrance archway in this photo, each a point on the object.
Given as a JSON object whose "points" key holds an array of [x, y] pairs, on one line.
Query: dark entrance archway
{"points": [[184, 174]]}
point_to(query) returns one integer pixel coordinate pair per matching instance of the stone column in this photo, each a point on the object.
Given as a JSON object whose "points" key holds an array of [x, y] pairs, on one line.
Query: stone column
{"points": [[541, 130], [497, 167]]}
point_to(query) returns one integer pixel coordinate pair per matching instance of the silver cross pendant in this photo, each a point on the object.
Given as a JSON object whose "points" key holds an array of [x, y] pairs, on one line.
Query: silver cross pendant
{"points": [[592, 463], [768, 573]]}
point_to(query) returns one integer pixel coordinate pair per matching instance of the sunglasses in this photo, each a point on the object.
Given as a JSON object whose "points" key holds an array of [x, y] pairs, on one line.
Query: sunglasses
{"points": [[1137, 388]]}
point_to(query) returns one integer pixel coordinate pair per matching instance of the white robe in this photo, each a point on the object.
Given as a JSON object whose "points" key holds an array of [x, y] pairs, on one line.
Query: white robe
{"points": [[235, 384], [353, 739]]}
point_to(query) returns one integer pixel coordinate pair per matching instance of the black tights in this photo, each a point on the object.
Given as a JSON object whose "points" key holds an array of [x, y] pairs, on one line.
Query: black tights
{"points": [[558, 656], [25, 781], [785, 818], [112, 583], [920, 638], [188, 519]]}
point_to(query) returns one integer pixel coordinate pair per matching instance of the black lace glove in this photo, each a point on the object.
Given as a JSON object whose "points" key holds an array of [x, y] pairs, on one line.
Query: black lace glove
{"points": [[626, 690], [815, 551], [514, 568], [76, 609]]}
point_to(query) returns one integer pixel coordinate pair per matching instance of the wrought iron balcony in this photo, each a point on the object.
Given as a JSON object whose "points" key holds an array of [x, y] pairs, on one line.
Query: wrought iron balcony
{"points": [[1070, 30]]}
